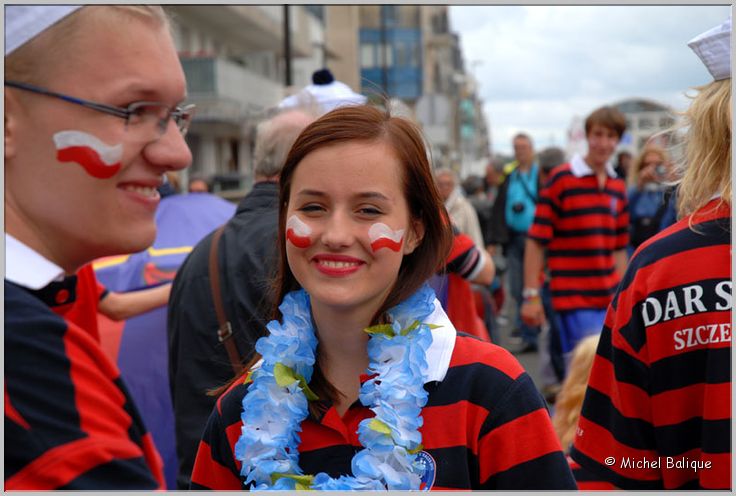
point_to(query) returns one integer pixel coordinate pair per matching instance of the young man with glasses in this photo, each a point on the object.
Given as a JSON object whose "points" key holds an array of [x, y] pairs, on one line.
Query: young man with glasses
{"points": [[93, 120]]}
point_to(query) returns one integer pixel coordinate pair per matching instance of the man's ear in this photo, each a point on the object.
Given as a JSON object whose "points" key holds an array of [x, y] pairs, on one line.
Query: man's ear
{"points": [[415, 237], [12, 107]]}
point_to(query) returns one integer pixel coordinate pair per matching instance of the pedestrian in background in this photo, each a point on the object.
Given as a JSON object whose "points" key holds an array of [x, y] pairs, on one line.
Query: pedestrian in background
{"points": [[582, 221], [93, 121], [513, 213], [198, 184], [198, 360], [660, 390], [623, 167], [462, 213], [474, 187], [649, 194]]}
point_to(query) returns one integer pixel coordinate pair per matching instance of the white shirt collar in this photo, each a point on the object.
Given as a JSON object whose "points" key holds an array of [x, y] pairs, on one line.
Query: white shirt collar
{"points": [[580, 167], [26, 267], [443, 343]]}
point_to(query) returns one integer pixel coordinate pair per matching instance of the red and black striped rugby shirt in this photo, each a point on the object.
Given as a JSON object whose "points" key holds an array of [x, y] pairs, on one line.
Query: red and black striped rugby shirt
{"points": [[69, 421], [581, 225], [485, 427], [658, 403]]}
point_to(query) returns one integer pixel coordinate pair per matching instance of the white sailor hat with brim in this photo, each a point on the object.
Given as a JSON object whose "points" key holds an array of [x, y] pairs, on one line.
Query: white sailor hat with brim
{"points": [[714, 49], [25, 22]]}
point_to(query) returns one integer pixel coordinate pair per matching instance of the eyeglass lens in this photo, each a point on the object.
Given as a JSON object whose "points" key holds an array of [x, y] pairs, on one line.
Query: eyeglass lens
{"points": [[154, 116]]}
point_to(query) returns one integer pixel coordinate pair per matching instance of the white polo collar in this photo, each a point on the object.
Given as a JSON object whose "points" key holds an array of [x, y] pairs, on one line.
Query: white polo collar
{"points": [[580, 167], [443, 343], [26, 267]]}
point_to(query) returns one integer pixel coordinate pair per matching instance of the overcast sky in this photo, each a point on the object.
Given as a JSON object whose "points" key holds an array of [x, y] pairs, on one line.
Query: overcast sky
{"points": [[539, 66]]}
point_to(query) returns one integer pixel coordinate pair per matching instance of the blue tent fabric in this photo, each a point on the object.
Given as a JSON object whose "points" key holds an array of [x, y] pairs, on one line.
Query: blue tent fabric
{"points": [[182, 221]]}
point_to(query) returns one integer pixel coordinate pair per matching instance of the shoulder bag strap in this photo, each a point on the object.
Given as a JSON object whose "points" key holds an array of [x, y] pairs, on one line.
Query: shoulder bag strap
{"points": [[225, 331], [532, 197]]}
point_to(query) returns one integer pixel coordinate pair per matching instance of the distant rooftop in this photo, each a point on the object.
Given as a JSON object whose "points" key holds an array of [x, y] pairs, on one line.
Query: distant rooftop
{"points": [[636, 105]]}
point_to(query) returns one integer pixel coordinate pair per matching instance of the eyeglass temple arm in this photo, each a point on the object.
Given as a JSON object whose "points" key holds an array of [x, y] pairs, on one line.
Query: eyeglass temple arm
{"points": [[97, 106]]}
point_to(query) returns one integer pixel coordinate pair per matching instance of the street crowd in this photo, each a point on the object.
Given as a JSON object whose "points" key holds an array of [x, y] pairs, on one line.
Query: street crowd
{"points": [[338, 329]]}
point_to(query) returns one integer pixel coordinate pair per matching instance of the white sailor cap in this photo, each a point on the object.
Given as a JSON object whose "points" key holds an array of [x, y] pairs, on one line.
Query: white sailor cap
{"points": [[714, 49], [24, 22]]}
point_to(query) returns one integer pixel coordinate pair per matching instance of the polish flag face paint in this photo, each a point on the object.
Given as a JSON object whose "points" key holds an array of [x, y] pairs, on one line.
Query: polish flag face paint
{"points": [[298, 232], [97, 158], [382, 236]]}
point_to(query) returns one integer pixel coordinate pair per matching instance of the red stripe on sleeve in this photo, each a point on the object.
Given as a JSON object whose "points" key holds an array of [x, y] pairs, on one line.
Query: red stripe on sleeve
{"points": [[208, 473], [597, 443], [99, 401], [718, 476], [518, 441], [12, 413], [682, 404], [468, 351], [153, 459], [233, 432], [628, 399], [59, 466], [460, 244], [464, 431]]}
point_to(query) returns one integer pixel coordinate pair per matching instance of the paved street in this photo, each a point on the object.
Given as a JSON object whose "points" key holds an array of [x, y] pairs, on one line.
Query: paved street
{"points": [[529, 360]]}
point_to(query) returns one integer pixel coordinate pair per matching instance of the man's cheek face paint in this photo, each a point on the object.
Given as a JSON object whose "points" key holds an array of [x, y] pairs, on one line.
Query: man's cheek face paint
{"points": [[382, 236], [97, 158], [298, 232]]}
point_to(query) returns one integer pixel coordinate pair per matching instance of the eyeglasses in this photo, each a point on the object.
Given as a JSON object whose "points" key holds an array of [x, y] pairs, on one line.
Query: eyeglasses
{"points": [[142, 116]]}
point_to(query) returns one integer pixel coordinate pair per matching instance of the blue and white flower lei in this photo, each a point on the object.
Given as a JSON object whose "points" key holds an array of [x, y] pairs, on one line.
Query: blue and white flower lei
{"points": [[276, 402]]}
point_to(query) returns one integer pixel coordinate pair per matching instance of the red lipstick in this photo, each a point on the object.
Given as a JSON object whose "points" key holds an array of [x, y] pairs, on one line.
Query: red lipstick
{"points": [[337, 265]]}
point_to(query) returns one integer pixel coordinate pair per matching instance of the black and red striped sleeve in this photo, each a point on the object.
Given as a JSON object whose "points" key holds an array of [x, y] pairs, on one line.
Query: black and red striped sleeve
{"points": [[493, 402], [660, 388], [465, 259], [69, 422], [215, 466], [586, 481], [542, 229]]}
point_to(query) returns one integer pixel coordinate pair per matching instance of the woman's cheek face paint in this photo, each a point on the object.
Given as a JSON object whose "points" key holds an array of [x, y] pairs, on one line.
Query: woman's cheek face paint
{"points": [[382, 236], [298, 232], [96, 158]]}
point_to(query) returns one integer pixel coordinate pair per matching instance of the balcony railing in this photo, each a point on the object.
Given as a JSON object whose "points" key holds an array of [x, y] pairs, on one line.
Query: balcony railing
{"points": [[226, 90]]}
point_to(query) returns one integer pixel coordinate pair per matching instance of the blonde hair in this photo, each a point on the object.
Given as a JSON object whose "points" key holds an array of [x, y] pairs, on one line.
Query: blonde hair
{"points": [[569, 401], [706, 170], [29, 63], [633, 175]]}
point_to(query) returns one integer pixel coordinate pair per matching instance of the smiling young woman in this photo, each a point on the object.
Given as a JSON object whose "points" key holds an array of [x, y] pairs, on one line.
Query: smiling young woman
{"points": [[363, 382]]}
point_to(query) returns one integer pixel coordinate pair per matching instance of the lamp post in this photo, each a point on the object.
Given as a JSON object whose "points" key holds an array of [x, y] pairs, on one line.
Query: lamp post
{"points": [[287, 48]]}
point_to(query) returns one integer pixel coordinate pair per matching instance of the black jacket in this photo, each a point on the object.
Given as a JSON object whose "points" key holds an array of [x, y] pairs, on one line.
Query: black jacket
{"points": [[198, 362]]}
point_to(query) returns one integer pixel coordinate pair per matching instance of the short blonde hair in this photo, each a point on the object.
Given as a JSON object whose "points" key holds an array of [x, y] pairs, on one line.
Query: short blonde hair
{"points": [[28, 63], [569, 401], [706, 169]]}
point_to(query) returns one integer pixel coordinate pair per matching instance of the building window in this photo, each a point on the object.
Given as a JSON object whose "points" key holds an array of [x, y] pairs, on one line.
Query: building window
{"points": [[414, 60], [666, 122], [389, 15], [388, 54], [402, 54], [646, 123], [367, 55]]}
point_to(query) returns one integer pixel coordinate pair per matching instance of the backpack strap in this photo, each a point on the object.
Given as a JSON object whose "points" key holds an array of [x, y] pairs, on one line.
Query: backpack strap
{"points": [[225, 329]]}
